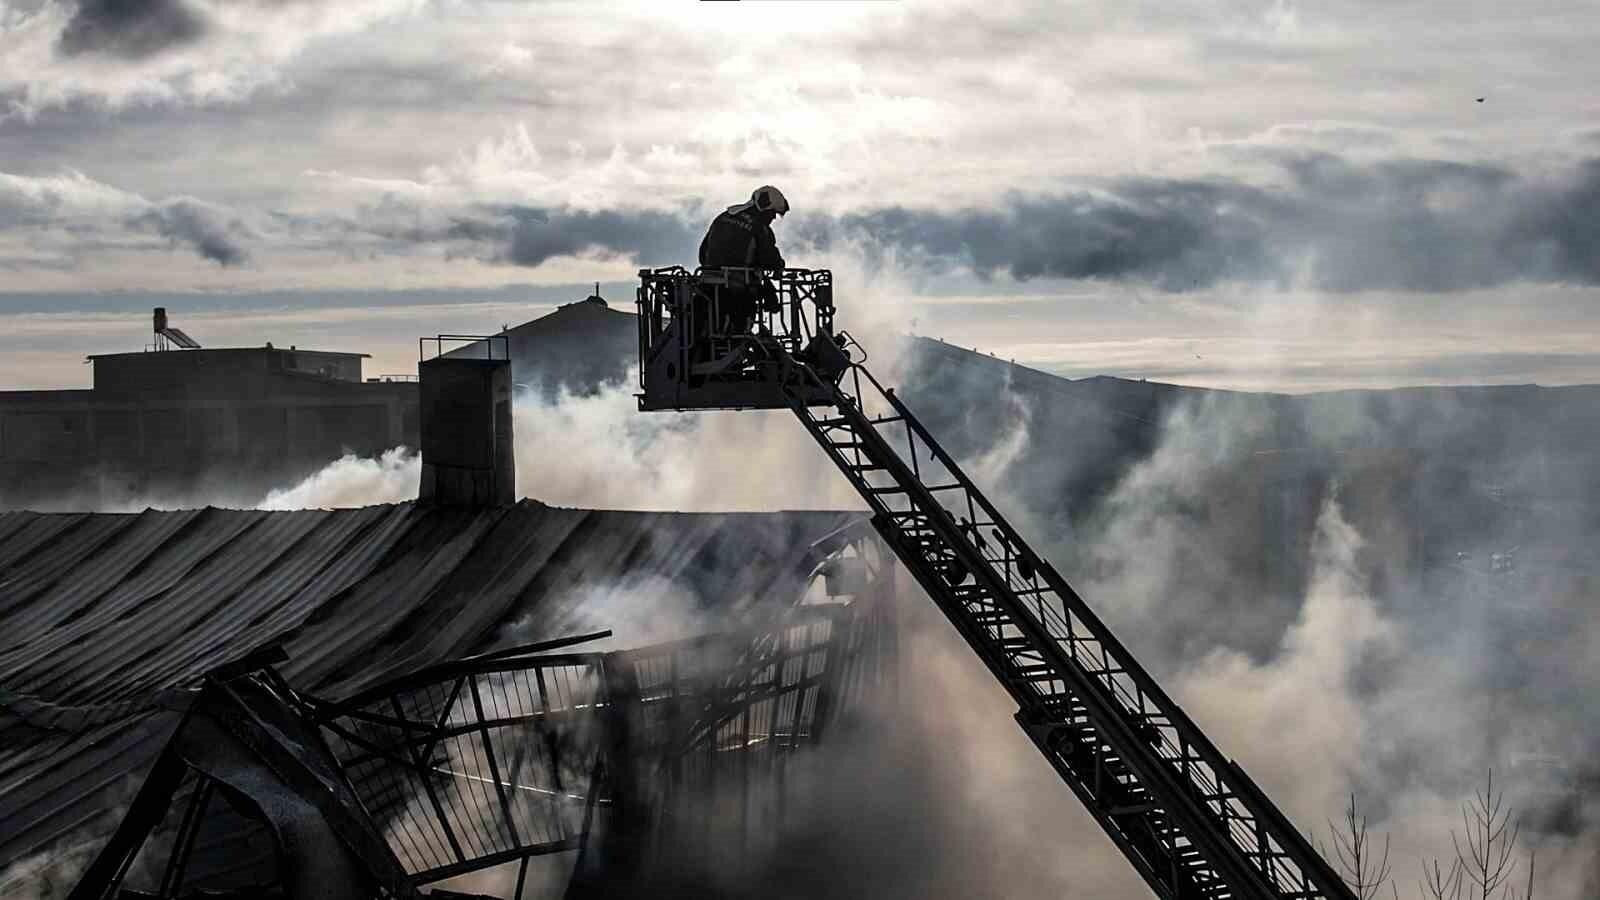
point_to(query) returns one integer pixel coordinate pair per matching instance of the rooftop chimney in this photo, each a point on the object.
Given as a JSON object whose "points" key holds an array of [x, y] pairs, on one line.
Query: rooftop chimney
{"points": [[467, 455]]}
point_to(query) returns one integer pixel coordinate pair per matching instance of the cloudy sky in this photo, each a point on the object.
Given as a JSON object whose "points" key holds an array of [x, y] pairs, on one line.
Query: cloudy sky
{"points": [[1281, 194]]}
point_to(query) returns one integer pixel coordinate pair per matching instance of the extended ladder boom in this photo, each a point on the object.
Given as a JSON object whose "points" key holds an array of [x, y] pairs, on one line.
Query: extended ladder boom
{"points": [[1188, 818]]}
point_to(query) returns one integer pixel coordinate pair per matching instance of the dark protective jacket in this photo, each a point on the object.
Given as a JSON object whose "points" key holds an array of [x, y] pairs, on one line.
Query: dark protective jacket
{"points": [[739, 238]]}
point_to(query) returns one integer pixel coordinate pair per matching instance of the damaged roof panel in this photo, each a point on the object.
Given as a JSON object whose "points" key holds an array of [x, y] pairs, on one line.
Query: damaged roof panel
{"points": [[107, 620]]}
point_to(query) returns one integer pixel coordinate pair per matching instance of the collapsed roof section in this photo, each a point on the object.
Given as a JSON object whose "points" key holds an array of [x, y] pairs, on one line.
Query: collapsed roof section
{"points": [[608, 758], [111, 619]]}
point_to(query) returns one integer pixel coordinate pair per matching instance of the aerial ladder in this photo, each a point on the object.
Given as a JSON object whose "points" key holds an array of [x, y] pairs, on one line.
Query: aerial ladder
{"points": [[1186, 816]]}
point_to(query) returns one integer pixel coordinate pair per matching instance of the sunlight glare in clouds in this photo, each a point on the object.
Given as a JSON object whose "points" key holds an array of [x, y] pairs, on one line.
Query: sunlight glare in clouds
{"points": [[767, 29], [1158, 152]]}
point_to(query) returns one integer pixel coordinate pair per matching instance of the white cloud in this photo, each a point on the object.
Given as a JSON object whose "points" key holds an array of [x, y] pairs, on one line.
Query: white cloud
{"points": [[76, 219], [306, 122], [245, 47], [70, 195]]}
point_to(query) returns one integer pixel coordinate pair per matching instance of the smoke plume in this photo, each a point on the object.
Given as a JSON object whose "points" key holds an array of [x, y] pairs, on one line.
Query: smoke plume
{"points": [[1364, 594], [353, 481]]}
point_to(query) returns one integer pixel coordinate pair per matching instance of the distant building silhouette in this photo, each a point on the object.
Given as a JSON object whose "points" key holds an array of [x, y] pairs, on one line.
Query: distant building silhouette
{"points": [[224, 425]]}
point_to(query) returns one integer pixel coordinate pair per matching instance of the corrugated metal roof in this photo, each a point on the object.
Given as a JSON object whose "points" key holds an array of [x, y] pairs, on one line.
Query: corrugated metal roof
{"points": [[106, 620]]}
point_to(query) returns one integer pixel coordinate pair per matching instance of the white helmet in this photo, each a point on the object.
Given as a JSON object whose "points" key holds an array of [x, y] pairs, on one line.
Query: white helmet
{"points": [[769, 199]]}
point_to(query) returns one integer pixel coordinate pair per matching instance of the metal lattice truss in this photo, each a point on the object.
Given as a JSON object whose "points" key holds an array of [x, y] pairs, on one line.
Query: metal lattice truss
{"points": [[244, 801], [1188, 818], [500, 758], [774, 696], [478, 764], [485, 762], [719, 721]]}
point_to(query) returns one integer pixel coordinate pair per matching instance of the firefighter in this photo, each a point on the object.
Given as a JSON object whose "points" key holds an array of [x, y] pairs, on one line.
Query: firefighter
{"points": [[741, 237]]}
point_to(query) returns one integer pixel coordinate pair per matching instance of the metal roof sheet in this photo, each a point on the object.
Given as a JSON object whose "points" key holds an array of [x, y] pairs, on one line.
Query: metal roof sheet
{"points": [[108, 619]]}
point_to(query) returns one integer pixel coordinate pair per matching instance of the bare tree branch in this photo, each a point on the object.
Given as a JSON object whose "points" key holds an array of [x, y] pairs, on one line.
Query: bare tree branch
{"points": [[1491, 830], [1439, 883], [1361, 867]]}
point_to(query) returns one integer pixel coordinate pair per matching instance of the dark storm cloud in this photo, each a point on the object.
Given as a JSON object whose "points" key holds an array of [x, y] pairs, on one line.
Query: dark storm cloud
{"points": [[201, 226], [130, 29], [1176, 234], [1322, 223], [530, 236], [1329, 224], [650, 237], [1408, 225]]}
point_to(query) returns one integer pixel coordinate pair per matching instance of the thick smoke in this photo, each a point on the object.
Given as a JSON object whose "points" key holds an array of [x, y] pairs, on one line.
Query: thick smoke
{"points": [[595, 449], [1301, 706], [1332, 586], [130, 29], [1289, 609], [932, 793], [1353, 620], [353, 481], [600, 451]]}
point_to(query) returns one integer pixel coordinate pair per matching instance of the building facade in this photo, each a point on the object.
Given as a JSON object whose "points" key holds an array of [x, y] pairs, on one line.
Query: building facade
{"points": [[225, 425]]}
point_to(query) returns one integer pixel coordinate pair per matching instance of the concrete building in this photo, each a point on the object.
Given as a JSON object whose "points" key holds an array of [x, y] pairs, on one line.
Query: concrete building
{"points": [[184, 427], [224, 425]]}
